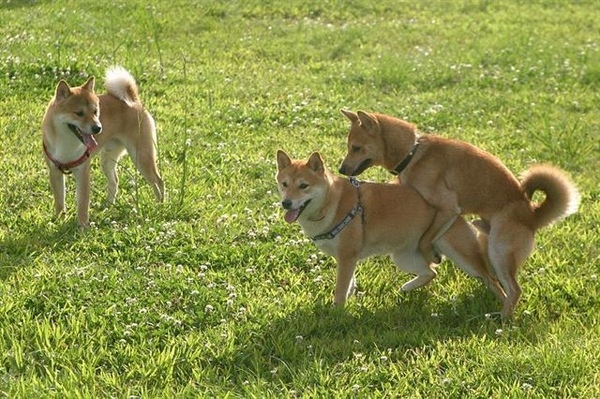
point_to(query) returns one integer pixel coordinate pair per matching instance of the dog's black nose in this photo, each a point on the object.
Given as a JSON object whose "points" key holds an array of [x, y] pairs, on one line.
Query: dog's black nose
{"points": [[96, 129], [286, 204], [342, 170]]}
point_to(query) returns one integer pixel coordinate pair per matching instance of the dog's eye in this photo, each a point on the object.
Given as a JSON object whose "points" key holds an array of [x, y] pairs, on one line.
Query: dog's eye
{"points": [[284, 184], [355, 148], [79, 113], [303, 186]]}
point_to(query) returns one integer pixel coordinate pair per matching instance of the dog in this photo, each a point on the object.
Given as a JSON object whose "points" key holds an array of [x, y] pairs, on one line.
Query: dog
{"points": [[458, 178], [353, 220], [78, 124]]}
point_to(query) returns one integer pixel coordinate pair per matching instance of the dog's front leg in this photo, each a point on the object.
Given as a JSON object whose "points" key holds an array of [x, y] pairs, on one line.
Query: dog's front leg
{"points": [[345, 283], [447, 210], [82, 177], [57, 183]]}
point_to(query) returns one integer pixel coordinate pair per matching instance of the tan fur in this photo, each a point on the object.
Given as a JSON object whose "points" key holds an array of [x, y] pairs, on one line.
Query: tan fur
{"points": [[459, 178], [124, 124], [394, 219]]}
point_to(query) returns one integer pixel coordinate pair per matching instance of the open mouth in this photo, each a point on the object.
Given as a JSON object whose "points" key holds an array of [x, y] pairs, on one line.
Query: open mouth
{"points": [[362, 167], [75, 130], [293, 214], [87, 139]]}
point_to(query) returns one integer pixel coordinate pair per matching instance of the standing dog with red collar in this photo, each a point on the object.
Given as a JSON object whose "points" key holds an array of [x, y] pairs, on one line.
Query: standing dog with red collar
{"points": [[78, 124]]}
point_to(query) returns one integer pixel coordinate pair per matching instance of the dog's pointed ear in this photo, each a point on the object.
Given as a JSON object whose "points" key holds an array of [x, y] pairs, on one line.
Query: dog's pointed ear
{"points": [[367, 121], [283, 160], [89, 85], [315, 162], [62, 90], [350, 115]]}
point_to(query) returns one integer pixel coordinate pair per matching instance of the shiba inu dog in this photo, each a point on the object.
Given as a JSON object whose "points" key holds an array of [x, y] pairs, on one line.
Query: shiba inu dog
{"points": [[459, 178], [78, 124], [351, 221]]}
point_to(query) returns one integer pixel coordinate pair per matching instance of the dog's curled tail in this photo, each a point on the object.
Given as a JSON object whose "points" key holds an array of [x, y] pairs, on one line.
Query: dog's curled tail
{"points": [[562, 197], [121, 84]]}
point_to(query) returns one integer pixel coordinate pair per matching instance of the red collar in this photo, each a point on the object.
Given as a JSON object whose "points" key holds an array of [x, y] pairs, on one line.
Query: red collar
{"points": [[66, 167]]}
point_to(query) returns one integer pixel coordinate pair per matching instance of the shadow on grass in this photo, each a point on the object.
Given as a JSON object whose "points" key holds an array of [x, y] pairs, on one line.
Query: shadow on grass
{"points": [[25, 248], [20, 3], [326, 337]]}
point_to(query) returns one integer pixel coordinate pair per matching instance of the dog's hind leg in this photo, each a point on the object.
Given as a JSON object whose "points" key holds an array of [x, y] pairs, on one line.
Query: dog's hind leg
{"points": [[111, 153], [143, 155], [509, 245], [447, 210], [468, 251], [415, 264], [145, 162]]}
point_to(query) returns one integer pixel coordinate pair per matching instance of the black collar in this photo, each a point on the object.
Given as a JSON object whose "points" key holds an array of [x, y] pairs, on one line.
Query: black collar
{"points": [[331, 234], [404, 163]]}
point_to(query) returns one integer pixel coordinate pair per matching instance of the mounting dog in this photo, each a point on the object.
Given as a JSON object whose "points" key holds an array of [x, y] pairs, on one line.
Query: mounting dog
{"points": [[78, 124], [351, 221], [459, 178]]}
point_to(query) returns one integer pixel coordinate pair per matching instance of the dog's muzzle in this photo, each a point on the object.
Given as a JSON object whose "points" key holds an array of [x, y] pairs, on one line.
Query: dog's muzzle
{"points": [[361, 168]]}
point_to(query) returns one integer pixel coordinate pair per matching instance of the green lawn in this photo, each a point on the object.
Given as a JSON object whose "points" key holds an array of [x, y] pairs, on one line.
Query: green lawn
{"points": [[212, 294]]}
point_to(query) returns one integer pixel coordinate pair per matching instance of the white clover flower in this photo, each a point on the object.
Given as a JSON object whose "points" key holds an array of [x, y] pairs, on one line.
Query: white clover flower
{"points": [[209, 308]]}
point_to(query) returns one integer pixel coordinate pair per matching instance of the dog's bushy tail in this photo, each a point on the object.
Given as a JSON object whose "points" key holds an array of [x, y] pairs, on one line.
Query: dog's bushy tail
{"points": [[562, 198], [121, 84]]}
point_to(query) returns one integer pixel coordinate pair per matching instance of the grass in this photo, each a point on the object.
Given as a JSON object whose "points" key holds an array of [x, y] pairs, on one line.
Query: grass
{"points": [[212, 294]]}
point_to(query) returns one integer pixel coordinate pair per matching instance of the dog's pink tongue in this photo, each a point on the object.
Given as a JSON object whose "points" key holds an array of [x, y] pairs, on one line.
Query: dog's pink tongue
{"points": [[89, 141], [291, 216]]}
